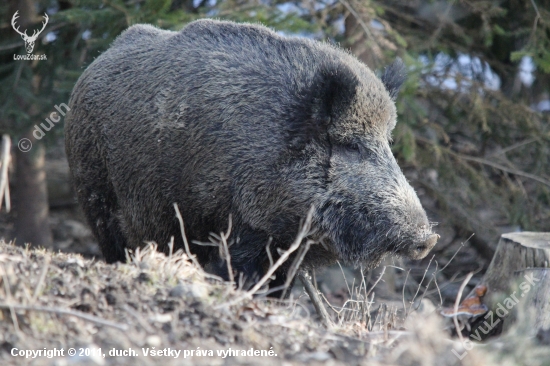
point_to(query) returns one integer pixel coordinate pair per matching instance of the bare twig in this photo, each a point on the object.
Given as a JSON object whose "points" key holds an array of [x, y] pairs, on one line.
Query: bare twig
{"points": [[345, 279], [458, 250], [184, 237], [443, 20], [512, 147], [295, 265], [503, 168], [428, 286], [437, 286], [40, 283], [7, 290], [170, 253], [405, 286], [138, 318], [333, 308], [304, 231], [269, 256], [376, 282], [315, 300], [225, 247], [78, 314], [358, 18], [171, 247], [536, 21], [419, 285], [486, 162], [457, 301]]}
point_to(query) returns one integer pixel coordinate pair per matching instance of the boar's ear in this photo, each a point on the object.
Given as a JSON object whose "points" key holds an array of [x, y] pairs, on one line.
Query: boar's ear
{"points": [[332, 91], [329, 94], [394, 76]]}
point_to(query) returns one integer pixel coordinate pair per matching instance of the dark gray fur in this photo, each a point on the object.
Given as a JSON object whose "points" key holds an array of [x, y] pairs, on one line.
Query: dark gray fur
{"points": [[394, 76], [232, 119]]}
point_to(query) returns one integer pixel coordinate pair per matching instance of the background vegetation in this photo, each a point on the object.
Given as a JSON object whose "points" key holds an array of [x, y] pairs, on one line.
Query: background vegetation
{"points": [[474, 131]]}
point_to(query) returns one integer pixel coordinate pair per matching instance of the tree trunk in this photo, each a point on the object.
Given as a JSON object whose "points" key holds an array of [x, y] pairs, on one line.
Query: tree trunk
{"points": [[31, 198], [516, 252], [30, 191]]}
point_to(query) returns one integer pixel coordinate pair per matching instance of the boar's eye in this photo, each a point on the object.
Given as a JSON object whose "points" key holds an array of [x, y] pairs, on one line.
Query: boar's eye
{"points": [[352, 146], [351, 149]]}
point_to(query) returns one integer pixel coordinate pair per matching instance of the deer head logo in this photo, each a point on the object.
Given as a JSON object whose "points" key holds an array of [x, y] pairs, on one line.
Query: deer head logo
{"points": [[29, 41]]}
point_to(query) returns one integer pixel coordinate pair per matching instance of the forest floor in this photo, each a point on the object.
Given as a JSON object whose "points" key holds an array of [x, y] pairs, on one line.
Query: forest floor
{"points": [[159, 309]]}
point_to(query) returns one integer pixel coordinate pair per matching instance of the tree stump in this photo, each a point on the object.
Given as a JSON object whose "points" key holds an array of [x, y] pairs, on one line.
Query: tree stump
{"points": [[536, 303], [515, 286], [516, 252]]}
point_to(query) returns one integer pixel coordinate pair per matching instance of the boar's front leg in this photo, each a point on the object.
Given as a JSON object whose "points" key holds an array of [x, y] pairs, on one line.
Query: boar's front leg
{"points": [[249, 261]]}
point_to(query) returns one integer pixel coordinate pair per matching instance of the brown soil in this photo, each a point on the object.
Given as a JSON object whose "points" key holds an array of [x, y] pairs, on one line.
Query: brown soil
{"points": [[63, 301]]}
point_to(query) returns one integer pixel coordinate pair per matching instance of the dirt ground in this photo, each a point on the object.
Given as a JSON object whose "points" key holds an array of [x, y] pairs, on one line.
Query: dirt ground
{"points": [[165, 310]]}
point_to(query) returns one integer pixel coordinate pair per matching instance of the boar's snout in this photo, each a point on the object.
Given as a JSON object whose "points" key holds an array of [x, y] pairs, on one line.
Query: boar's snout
{"points": [[418, 250]]}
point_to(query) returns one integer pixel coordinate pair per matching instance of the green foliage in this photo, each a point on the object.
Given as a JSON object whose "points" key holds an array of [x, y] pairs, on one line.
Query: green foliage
{"points": [[538, 46], [272, 16], [407, 142]]}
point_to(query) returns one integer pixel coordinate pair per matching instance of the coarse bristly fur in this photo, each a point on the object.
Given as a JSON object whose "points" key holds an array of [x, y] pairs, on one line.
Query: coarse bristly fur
{"points": [[232, 119]]}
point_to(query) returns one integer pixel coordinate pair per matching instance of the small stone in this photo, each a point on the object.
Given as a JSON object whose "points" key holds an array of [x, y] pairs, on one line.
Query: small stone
{"points": [[161, 318], [153, 341]]}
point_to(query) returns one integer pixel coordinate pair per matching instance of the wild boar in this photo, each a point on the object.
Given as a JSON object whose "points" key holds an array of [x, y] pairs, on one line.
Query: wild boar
{"points": [[229, 119]]}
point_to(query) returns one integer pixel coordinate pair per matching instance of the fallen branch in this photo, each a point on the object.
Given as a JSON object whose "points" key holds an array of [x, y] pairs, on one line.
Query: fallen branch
{"points": [[78, 314], [304, 231], [315, 299]]}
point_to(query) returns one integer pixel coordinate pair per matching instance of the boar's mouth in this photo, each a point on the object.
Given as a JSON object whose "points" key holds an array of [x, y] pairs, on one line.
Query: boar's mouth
{"points": [[357, 239], [420, 249]]}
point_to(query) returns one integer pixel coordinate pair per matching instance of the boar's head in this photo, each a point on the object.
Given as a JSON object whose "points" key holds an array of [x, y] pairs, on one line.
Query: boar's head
{"points": [[365, 208]]}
